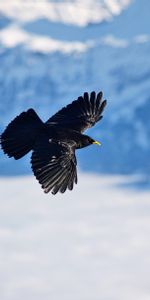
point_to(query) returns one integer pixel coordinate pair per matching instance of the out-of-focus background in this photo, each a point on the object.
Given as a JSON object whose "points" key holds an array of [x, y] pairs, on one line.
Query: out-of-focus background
{"points": [[92, 243]]}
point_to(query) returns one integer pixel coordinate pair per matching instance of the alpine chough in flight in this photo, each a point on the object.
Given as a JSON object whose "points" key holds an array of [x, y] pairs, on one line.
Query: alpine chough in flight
{"points": [[54, 142]]}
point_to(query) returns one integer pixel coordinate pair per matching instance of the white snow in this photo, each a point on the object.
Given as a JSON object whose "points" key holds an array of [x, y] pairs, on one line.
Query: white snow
{"points": [[47, 45], [13, 36], [75, 12], [91, 243], [112, 41], [143, 38]]}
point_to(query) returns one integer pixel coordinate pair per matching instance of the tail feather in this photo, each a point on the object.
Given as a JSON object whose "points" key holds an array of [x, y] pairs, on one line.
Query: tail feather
{"points": [[19, 136]]}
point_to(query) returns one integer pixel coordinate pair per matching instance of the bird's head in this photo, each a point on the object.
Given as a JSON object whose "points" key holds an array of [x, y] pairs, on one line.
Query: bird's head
{"points": [[87, 141]]}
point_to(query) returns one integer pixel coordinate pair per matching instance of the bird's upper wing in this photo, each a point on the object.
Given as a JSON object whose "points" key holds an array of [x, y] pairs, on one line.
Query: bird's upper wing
{"points": [[54, 165], [81, 113]]}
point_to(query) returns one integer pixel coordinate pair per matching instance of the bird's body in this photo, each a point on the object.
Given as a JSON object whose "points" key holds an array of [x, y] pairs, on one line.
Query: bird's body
{"points": [[54, 143]]}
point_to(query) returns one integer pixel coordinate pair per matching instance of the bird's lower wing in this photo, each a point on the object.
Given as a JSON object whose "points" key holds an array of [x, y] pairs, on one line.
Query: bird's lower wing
{"points": [[81, 114], [54, 166]]}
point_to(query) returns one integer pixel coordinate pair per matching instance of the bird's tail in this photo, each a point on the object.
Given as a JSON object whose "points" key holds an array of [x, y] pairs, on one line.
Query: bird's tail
{"points": [[20, 135]]}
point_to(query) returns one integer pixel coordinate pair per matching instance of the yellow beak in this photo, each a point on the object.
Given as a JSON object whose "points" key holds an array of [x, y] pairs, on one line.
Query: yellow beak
{"points": [[97, 143]]}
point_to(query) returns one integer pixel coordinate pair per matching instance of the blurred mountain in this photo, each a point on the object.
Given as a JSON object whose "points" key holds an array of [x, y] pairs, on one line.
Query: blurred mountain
{"points": [[4, 21], [48, 60]]}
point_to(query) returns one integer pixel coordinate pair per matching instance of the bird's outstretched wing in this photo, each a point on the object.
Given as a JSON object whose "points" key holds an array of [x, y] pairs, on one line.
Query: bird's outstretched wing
{"points": [[81, 114], [54, 165]]}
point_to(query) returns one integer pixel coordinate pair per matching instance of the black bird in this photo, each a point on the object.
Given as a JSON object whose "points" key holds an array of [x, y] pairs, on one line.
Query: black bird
{"points": [[54, 143]]}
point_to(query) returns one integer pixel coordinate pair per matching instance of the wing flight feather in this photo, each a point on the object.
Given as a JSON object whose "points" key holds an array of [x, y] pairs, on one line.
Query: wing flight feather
{"points": [[81, 114], [54, 166]]}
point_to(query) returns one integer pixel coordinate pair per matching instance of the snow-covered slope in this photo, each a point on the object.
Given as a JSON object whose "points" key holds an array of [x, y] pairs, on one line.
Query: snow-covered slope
{"points": [[47, 63], [90, 244]]}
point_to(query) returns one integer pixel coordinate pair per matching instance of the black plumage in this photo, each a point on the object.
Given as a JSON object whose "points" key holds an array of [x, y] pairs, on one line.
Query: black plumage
{"points": [[53, 143]]}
